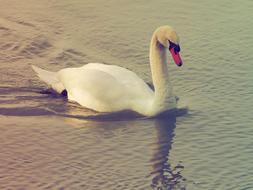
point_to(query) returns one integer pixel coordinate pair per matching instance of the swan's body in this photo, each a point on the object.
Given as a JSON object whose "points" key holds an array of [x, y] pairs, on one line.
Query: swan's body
{"points": [[110, 88]]}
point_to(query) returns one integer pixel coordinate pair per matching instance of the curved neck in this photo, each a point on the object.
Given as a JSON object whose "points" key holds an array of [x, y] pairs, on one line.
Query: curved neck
{"points": [[160, 75]]}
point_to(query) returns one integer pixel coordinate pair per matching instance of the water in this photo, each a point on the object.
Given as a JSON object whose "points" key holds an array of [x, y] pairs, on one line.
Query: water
{"points": [[49, 143]]}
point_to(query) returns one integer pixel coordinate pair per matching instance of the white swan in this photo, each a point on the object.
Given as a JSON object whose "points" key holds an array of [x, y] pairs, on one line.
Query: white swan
{"points": [[110, 88]]}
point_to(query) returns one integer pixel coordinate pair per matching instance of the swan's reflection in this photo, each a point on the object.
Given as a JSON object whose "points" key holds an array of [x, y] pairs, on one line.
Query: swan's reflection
{"points": [[164, 176]]}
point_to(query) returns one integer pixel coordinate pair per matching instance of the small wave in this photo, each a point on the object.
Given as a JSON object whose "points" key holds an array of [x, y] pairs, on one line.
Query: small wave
{"points": [[9, 90], [25, 23], [69, 57], [25, 111], [75, 52], [36, 48], [4, 28]]}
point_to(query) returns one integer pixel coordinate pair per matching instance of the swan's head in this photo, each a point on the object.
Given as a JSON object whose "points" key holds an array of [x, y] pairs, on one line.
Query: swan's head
{"points": [[168, 38]]}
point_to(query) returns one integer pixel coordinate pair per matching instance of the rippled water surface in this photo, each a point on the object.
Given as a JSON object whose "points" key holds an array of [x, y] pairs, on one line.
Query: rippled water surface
{"points": [[49, 143]]}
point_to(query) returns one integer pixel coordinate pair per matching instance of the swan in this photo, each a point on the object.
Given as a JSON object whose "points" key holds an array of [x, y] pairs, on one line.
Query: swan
{"points": [[111, 88]]}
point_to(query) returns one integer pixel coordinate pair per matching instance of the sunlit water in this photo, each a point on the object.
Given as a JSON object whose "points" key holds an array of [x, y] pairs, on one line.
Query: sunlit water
{"points": [[48, 143]]}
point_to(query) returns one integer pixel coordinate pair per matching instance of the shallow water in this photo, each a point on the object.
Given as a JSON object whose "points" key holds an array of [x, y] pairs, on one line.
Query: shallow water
{"points": [[49, 143]]}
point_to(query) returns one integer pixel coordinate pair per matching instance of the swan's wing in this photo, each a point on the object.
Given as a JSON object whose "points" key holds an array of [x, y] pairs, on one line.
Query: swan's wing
{"points": [[102, 87], [129, 79]]}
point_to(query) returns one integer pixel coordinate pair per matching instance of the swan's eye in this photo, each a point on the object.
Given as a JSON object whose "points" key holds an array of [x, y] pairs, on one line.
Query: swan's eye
{"points": [[176, 47]]}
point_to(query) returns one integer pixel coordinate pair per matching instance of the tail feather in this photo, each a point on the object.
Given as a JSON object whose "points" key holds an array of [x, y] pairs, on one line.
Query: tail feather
{"points": [[50, 78]]}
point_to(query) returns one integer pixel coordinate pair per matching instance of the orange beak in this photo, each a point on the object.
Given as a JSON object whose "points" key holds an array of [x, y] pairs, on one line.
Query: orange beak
{"points": [[176, 57]]}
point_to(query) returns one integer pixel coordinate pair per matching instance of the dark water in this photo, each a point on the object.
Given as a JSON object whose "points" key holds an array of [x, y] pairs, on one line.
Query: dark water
{"points": [[48, 143]]}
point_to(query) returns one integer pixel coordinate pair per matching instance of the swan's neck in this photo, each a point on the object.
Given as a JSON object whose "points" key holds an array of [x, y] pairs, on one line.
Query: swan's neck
{"points": [[160, 75]]}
